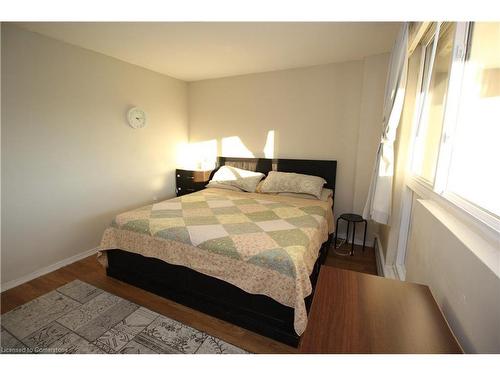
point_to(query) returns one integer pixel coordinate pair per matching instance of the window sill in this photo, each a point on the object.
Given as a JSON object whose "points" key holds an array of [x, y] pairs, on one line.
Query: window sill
{"points": [[481, 239], [425, 192]]}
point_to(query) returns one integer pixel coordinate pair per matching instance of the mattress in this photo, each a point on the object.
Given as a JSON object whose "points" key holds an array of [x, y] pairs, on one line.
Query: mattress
{"points": [[261, 243]]}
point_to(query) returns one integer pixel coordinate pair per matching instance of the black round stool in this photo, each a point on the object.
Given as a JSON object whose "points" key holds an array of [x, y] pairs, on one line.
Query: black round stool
{"points": [[350, 218]]}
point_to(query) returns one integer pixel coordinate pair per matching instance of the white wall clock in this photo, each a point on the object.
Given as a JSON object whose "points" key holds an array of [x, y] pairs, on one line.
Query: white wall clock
{"points": [[136, 118]]}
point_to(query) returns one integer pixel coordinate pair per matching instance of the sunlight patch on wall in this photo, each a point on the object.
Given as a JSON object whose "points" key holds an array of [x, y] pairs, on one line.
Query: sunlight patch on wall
{"points": [[203, 155], [198, 155], [233, 146], [269, 146]]}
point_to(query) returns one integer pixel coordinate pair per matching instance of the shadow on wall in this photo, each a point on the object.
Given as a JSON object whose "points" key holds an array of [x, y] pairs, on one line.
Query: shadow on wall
{"points": [[203, 155]]}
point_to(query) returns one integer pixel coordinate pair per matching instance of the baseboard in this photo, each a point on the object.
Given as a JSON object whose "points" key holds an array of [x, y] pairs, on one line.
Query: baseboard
{"points": [[382, 269], [42, 271], [400, 272], [379, 256]]}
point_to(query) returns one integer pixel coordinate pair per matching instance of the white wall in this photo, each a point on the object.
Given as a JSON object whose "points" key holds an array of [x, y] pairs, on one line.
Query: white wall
{"points": [[467, 290], [69, 160], [66, 146], [329, 111]]}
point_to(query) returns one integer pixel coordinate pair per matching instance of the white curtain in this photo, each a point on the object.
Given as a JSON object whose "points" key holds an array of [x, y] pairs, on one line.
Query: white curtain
{"points": [[378, 203]]}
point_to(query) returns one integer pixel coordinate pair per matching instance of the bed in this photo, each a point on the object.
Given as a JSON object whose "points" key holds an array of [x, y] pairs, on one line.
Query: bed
{"points": [[251, 259]]}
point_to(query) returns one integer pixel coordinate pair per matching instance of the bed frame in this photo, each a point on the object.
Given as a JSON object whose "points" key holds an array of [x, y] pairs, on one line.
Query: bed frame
{"points": [[215, 297]]}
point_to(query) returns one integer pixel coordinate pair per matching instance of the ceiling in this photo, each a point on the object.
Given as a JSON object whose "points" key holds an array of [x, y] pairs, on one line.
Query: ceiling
{"points": [[194, 51]]}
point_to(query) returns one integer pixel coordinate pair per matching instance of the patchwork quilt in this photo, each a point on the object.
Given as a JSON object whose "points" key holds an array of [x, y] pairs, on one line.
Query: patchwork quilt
{"points": [[262, 243]]}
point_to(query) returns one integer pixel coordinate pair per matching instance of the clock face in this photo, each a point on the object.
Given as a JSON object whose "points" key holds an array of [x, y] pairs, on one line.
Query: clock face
{"points": [[136, 118]]}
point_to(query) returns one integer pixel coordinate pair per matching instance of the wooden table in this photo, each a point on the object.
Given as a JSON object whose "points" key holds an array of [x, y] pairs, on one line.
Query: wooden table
{"points": [[358, 313]]}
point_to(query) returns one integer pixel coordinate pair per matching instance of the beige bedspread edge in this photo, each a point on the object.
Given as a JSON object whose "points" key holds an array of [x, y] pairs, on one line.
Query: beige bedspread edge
{"points": [[235, 272]]}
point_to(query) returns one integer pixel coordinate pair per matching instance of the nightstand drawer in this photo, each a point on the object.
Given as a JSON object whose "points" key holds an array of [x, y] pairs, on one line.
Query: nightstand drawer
{"points": [[182, 190], [188, 181], [195, 176], [191, 185]]}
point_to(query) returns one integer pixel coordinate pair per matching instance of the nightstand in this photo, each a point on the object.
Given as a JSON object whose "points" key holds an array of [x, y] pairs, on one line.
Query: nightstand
{"points": [[189, 181], [353, 312]]}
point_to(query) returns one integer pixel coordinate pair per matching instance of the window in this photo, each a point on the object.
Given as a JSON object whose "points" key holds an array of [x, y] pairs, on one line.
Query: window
{"points": [[433, 92], [474, 171], [456, 146]]}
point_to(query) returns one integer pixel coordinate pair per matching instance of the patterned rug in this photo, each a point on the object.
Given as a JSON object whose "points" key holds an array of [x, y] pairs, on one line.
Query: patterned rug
{"points": [[80, 318]]}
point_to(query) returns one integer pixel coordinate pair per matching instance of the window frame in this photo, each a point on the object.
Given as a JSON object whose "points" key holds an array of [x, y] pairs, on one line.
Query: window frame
{"points": [[479, 217], [423, 84]]}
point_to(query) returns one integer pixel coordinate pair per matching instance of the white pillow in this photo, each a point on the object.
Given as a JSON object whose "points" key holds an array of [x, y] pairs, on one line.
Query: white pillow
{"points": [[241, 178], [282, 182]]}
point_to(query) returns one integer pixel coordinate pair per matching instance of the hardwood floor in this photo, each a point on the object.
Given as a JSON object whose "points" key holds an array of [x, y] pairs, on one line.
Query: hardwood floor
{"points": [[360, 262], [90, 271]]}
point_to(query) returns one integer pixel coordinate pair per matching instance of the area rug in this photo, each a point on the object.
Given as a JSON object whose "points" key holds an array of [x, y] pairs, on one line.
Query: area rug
{"points": [[80, 318]]}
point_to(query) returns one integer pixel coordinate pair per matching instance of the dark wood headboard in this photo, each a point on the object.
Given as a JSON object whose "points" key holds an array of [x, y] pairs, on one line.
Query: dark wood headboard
{"points": [[322, 168]]}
